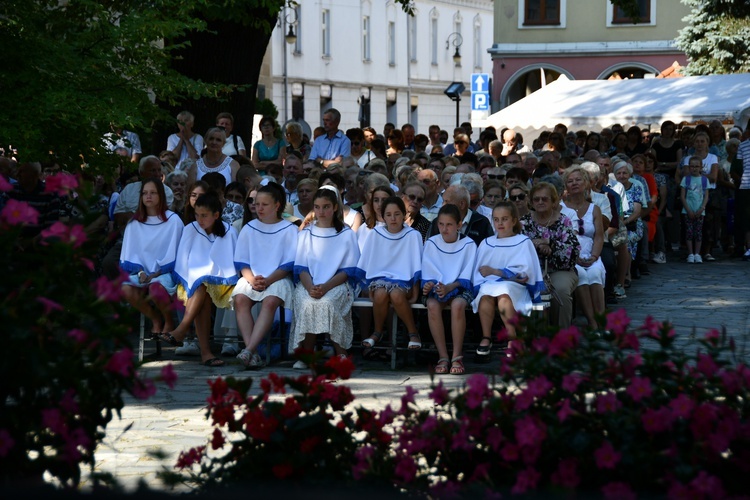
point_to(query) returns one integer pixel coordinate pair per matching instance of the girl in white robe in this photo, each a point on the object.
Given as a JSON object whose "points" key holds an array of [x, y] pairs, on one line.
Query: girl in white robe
{"points": [[391, 265], [265, 260], [205, 272], [149, 249], [447, 268], [507, 274], [324, 270]]}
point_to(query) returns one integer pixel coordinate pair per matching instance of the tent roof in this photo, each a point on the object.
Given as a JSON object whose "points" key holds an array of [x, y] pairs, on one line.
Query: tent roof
{"points": [[595, 104]]}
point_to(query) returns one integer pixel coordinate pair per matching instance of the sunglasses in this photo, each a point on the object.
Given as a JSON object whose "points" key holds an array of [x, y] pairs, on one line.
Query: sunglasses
{"points": [[364, 173], [495, 177], [580, 227], [459, 142], [540, 199], [517, 197], [414, 197]]}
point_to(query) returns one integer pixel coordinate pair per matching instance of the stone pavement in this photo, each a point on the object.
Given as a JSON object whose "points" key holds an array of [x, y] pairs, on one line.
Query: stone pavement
{"points": [[695, 297]]}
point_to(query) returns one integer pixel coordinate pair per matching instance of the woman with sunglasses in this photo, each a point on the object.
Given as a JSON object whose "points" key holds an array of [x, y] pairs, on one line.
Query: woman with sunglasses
{"points": [[590, 232], [413, 194], [556, 246], [518, 194]]}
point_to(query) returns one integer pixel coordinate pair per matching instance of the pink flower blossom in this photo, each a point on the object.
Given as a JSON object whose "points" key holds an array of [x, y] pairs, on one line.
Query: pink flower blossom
{"points": [[121, 362], [571, 381], [657, 420], [651, 327], [5, 186], [639, 388], [74, 235], [6, 443], [49, 305], [73, 441], [709, 485], [78, 335], [495, 438], [681, 406], [732, 381], [618, 321], [510, 452], [190, 457], [106, 290], [703, 420], [712, 336], [606, 456], [53, 420], [540, 344], [408, 397], [477, 391], [143, 388], [530, 431], [61, 183], [17, 213], [68, 402], [618, 491], [439, 394], [168, 375], [565, 411], [607, 402], [566, 474], [706, 365], [564, 340], [406, 469], [526, 480]]}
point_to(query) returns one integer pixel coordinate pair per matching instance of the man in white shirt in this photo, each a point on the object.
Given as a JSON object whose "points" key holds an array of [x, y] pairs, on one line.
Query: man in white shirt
{"points": [[433, 201]]}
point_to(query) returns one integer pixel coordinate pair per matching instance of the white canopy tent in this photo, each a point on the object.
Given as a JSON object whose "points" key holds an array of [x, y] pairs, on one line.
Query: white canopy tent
{"points": [[595, 104]]}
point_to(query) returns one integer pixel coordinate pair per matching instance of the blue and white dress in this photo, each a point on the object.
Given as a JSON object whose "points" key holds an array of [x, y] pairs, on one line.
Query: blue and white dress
{"points": [[513, 256], [323, 253], [447, 263], [391, 260]]}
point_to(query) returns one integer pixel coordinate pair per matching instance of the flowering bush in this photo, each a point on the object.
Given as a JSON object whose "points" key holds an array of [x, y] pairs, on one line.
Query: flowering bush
{"points": [[619, 413], [66, 360]]}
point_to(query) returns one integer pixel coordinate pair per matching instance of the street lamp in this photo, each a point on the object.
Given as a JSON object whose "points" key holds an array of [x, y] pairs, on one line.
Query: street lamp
{"points": [[454, 91], [457, 40], [291, 20]]}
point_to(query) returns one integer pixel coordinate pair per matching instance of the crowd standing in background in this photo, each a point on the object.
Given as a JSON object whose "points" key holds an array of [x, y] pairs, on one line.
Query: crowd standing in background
{"points": [[475, 227]]}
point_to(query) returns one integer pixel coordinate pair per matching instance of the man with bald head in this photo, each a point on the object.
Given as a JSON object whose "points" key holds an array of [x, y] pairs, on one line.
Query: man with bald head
{"points": [[475, 226], [511, 143], [433, 201]]}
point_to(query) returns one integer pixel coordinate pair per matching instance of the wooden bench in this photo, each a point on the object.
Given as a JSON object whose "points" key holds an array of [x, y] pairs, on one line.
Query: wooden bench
{"points": [[365, 302]]}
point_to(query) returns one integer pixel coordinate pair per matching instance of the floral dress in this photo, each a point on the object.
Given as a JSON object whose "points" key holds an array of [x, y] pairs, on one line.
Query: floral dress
{"points": [[562, 238], [635, 195]]}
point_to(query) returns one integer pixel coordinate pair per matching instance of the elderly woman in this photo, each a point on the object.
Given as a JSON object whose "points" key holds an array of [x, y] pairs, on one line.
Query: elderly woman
{"points": [[590, 234], [268, 149], [556, 245], [214, 160], [632, 217], [518, 194], [305, 191], [177, 182], [413, 194], [294, 140]]}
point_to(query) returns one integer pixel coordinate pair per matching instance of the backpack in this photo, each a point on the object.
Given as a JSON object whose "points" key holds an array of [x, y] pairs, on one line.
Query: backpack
{"points": [[704, 182]]}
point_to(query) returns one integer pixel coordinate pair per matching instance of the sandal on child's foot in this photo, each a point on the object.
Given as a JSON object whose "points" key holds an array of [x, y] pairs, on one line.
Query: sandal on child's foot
{"points": [[372, 339], [457, 366], [414, 344], [169, 339], [442, 366], [484, 350]]}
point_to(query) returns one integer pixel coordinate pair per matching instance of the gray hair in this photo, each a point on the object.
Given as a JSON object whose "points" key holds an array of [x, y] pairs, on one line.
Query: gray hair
{"points": [[473, 183], [294, 128], [145, 161], [556, 181], [461, 192], [592, 169], [214, 130], [618, 164], [175, 174], [375, 180]]}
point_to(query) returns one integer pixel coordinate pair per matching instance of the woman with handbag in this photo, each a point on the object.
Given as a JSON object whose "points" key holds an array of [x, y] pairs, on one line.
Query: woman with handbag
{"points": [[557, 247]]}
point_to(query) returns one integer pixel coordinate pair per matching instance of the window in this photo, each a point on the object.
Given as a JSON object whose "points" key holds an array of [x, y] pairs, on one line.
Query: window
{"points": [[326, 33], [412, 22], [298, 17], [366, 38], [434, 41], [392, 43], [477, 43], [644, 14], [541, 12]]}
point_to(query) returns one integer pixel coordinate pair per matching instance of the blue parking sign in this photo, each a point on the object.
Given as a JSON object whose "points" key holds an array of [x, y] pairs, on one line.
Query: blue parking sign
{"points": [[480, 101], [480, 82]]}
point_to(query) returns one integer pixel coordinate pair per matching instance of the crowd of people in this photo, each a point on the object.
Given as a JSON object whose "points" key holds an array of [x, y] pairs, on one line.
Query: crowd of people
{"points": [[482, 229]]}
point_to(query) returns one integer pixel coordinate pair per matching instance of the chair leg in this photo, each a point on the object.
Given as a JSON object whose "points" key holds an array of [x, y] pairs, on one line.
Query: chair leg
{"points": [[142, 338]]}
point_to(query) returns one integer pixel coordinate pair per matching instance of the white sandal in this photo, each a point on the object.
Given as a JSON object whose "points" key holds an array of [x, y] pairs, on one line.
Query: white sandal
{"points": [[372, 339], [244, 356]]}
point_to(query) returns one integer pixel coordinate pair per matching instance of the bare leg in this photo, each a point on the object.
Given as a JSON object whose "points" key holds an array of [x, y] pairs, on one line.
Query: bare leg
{"points": [[192, 309], [458, 326], [403, 308], [203, 327], [308, 343], [597, 298], [437, 327], [487, 309], [507, 313], [583, 293], [623, 263], [165, 307], [136, 297], [380, 301], [264, 321], [243, 306]]}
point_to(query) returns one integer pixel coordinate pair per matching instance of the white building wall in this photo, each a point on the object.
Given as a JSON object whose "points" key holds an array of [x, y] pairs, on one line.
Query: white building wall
{"points": [[347, 72]]}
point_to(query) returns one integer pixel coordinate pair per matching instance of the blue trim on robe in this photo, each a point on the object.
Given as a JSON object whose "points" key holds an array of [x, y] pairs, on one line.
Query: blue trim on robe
{"points": [[132, 267], [462, 285], [208, 280]]}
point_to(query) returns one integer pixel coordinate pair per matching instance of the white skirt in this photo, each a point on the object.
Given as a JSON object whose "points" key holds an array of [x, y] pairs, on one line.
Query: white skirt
{"points": [[518, 294], [330, 314], [592, 275], [283, 289]]}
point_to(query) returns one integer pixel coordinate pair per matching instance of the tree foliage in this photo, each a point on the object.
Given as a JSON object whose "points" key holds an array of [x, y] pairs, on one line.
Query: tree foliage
{"points": [[716, 38]]}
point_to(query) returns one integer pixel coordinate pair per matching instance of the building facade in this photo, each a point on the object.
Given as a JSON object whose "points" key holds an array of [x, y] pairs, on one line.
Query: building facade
{"points": [[375, 63], [535, 41]]}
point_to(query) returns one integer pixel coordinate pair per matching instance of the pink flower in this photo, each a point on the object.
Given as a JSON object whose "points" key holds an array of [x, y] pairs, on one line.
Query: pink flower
{"points": [[712, 337], [651, 327], [121, 362], [143, 388], [190, 457], [406, 469], [106, 290], [408, 397], [565, 411], [681, 406], [618, 491], [61, 183], [639, 388], [510, 452], [607, 402], [526, 480], [708, 485], [530, 431], [571, 381], [53, 420], [477, 391], [168, 375], [49, 305], [73, 441], [564, 340], [5, 186], [68, 402], [706, 365], [655, 421], [606, 456], [74, 235], [18, 213], [495, 438], [703, 420], [217, 441], [732, 381], [6, 443], [618, 321], [566, 474], [439, 394], [78, 335]]}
